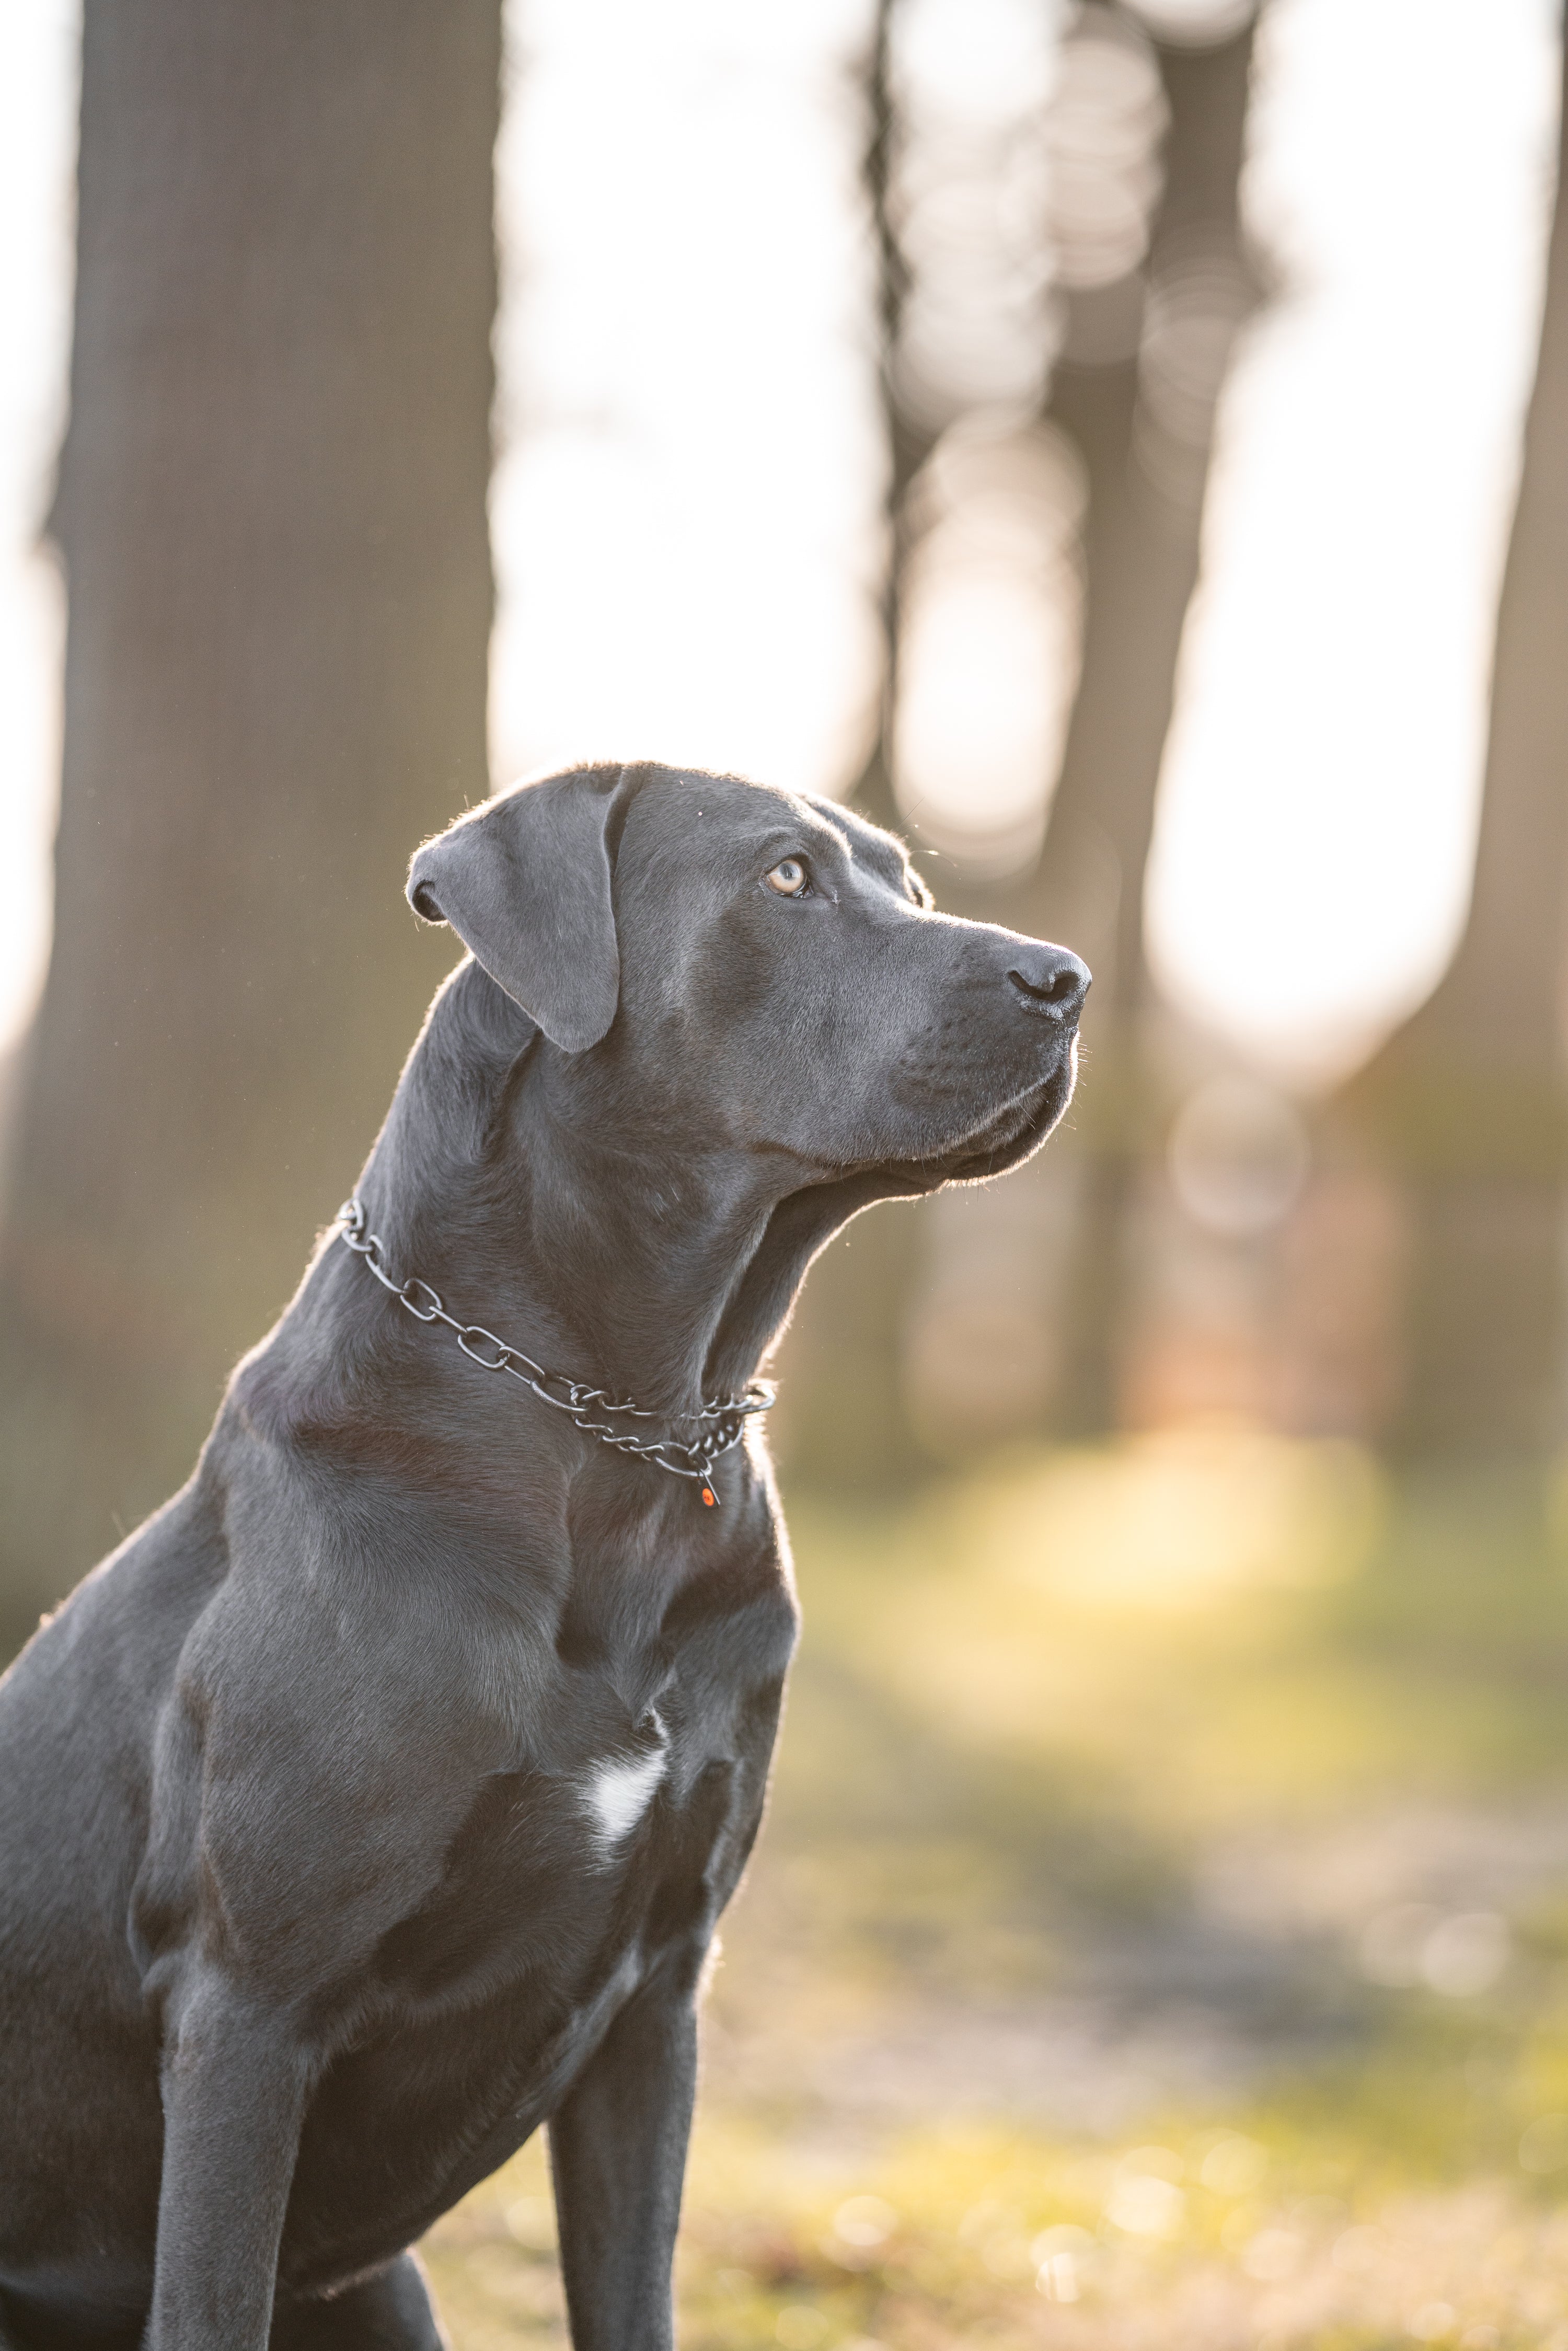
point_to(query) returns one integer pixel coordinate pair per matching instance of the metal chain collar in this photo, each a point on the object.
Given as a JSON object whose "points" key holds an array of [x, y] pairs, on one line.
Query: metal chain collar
{"points": [[727, 1416]]}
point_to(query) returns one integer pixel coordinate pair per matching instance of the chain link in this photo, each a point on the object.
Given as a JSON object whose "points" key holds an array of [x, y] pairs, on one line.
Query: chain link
{"points": [[727, 1417]]}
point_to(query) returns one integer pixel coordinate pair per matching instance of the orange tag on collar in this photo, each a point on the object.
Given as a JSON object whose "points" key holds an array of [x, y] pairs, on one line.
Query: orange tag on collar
{"points": [[710, 1499]]}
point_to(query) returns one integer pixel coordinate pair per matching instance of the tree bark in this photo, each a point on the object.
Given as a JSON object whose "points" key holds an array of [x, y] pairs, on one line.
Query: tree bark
{"points": [[1468, 1100], [271, 507]]}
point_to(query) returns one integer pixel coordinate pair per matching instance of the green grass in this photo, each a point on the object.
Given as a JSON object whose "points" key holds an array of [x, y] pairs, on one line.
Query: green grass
{"points": [[1160, 1936]]}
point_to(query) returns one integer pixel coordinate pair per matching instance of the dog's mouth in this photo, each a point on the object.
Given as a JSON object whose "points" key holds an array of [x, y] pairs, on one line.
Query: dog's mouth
{"points": [[1018, 1129], [998, 1142], [801, 1221]]}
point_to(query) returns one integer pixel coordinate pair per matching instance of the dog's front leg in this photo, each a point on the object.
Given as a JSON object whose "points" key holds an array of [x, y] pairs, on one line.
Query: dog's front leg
{"points": [[618, 2153], [234, 2084]]}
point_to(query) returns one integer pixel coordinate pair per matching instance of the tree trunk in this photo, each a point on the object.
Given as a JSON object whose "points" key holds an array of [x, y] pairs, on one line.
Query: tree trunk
{"points": [[1468, 1099], [907, 443], [847, 1424], [1143, 425], [272, 513]]}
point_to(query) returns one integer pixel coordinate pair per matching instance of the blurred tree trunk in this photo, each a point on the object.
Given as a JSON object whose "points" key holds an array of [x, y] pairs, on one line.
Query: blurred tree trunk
{"points": [[272, 512], [848, 1425], [1141, 420], [907, 443], [1468, 1100]]}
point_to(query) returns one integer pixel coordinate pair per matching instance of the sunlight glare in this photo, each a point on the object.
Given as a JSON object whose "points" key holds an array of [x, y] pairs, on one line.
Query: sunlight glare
{"points": [[988, 660], [1320, 798], [38, 71], [686, 508]]}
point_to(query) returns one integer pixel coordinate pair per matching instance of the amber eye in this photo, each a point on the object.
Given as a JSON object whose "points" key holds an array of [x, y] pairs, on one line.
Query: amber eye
{"points": [[788, 878]]}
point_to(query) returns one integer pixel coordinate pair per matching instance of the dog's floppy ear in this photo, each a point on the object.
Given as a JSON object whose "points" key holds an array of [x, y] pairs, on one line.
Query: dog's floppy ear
{"points": [[525, 884]]}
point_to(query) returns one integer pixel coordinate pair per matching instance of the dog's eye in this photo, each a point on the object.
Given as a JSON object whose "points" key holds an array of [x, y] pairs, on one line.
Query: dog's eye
{"points": [[788, 878]]}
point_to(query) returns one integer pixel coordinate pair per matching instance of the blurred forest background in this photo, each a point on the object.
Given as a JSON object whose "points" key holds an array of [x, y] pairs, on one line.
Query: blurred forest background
{"points": [[1125, 448]]}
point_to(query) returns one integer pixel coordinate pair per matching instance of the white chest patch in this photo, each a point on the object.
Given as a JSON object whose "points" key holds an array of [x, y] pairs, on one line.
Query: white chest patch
{"points": [[618, 1794]]}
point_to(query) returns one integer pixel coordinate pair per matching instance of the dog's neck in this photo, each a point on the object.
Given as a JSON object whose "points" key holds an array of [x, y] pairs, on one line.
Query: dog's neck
{"points": [[631, 1254], [663, 1274]]}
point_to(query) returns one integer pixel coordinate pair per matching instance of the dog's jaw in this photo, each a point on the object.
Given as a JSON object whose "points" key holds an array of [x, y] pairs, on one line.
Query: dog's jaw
{"points": [[1017, 1131]]}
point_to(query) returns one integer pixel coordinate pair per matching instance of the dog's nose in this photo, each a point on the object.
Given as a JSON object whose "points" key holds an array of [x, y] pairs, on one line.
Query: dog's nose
{"points": [[1049, 979]]}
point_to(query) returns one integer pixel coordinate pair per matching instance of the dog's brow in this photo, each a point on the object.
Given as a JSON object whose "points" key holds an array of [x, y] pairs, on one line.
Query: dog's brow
{"points": [[809, 833], [886, 863]]}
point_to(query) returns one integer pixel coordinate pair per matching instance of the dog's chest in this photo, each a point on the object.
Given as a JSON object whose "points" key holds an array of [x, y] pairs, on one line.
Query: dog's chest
{"points": [[633, 1786], [563, 1893], [601, 1849], [617, 1790]]}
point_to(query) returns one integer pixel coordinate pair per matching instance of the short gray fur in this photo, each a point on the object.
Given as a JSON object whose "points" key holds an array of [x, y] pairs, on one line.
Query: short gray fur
{"points": [[375, 1802]]}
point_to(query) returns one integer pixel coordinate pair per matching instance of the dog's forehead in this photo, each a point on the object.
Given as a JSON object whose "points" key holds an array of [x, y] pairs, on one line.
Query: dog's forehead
{"points": [[725, 817]]}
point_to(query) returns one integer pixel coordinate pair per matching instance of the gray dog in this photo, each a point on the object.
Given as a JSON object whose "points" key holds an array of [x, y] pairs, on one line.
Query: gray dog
{"points": [[375, 1802]]}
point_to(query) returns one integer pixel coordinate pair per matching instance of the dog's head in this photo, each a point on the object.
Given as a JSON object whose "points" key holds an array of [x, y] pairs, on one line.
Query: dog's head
{"points": [[760, 968]]}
